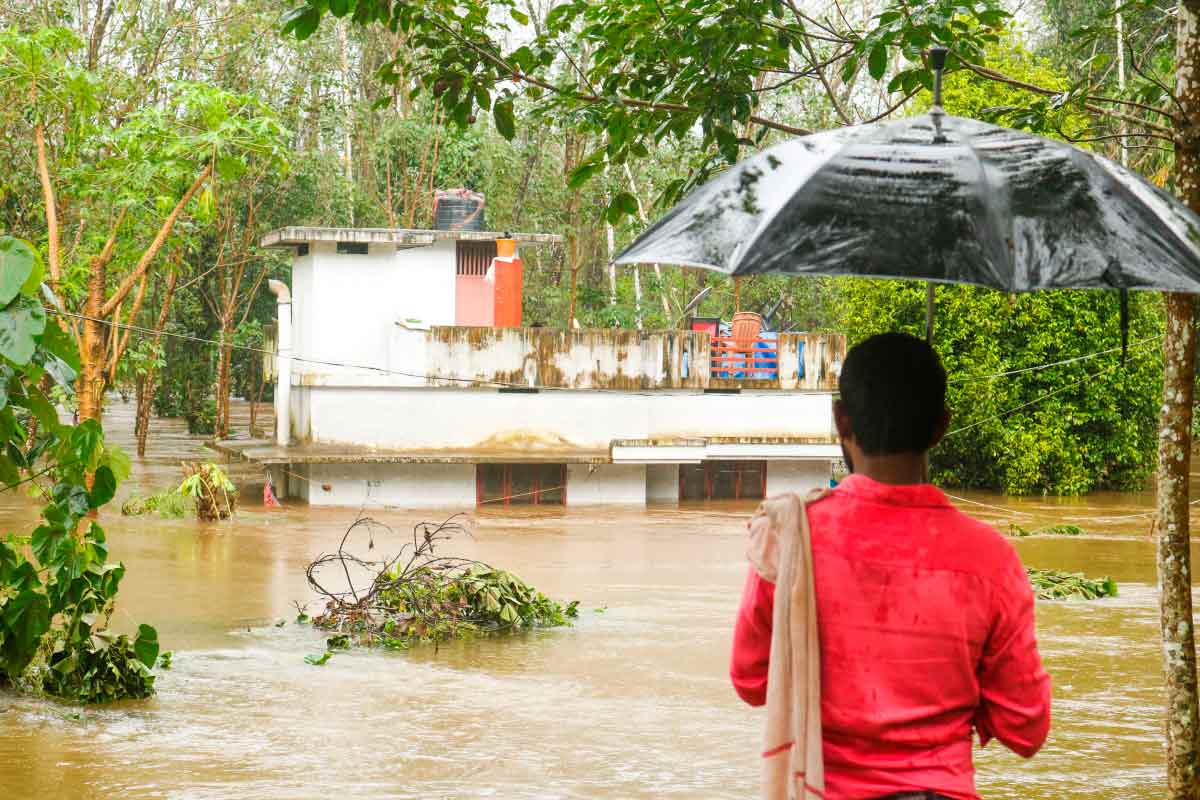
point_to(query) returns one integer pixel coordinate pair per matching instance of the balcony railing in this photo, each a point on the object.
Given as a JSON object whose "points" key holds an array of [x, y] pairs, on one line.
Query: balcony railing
{"points": [[757, 359], [482, 357]]}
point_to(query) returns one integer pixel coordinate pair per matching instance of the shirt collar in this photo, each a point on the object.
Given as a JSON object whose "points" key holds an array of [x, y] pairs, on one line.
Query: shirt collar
{"points": [[913, 494]]}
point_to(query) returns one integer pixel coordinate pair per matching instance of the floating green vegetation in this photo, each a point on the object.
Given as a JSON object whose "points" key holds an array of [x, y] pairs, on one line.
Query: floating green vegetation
{"points": [[420, 597], [1048, 530], [168, 503], [1052, 584]]}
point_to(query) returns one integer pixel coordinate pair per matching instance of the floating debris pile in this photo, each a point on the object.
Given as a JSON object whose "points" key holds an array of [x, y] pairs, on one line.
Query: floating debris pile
{"points": [[1051, 584], [420, 596], [1048, 530]]}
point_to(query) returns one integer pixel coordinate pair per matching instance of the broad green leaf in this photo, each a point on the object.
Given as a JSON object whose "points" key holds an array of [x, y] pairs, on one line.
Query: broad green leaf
{"points": [[47, 415], [145, 646], [6, 375], [116, 459], [36, 276], [582, 174], [20, 323], [482, 98], [27, 617], [523, 58], [502, 113], [104, 487], [59, 370], [624, 204], [301, 22], [877, 63], [87, 441], [17, 263]]}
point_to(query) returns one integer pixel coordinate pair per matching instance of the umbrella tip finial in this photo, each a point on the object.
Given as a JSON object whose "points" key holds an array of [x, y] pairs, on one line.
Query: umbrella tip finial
{"points": [[937, 62]]}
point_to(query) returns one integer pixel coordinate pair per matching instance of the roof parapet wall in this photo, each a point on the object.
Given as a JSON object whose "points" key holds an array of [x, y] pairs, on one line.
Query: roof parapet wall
{"points": [[401, 237]]}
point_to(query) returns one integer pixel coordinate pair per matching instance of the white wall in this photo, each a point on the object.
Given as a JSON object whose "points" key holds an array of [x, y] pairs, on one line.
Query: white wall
{"points": [[346, 306], [304, 309], [398, 485], [797, 476], [596, 484], [425, 283], [411, 419], [662, 483]]}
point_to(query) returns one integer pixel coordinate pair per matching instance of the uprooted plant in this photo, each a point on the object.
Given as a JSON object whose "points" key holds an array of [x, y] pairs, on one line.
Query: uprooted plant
{"points": [[205, 491], [419, 596], [210, 487]]}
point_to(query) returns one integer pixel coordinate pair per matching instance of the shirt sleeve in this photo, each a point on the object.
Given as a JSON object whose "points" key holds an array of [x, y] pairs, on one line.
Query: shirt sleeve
{"points": [[752, 640], [1014, 687]]}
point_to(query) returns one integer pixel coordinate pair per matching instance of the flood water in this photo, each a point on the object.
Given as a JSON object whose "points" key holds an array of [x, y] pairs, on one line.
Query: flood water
{"points": [[632, 702]]}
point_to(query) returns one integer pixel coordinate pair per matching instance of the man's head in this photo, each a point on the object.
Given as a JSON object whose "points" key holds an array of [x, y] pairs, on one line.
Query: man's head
{"points": [[893, 398]]}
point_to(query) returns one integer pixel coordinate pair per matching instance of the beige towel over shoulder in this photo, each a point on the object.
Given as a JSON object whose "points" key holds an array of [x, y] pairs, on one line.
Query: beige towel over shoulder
{"points": [[780, 549]]}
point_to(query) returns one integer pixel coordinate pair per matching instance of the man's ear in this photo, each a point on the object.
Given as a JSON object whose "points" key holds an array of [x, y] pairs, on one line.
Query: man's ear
{"points": [[939, 430], [841, 420]]}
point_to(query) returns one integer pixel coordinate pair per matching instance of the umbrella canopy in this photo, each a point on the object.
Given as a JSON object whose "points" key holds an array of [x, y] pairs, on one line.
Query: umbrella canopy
{"points": [[937, 198]]}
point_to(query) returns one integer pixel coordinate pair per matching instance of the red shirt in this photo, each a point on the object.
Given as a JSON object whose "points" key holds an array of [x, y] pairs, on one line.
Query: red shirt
{"points": [[927, 632]]}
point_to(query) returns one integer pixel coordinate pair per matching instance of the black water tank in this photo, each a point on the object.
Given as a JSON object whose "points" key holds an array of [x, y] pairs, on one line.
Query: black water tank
{"points": [[458, 210]]}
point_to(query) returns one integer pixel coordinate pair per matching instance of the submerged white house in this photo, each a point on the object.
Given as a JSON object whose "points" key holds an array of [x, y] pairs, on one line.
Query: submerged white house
{"points": [[395, 387]]}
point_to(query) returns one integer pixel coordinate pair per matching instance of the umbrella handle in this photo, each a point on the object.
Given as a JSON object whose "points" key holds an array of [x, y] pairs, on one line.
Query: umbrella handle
{"points": [[937, 62]]}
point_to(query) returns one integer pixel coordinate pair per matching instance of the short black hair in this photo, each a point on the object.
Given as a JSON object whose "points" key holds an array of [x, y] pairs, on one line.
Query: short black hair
{"points": [[893, 388]]}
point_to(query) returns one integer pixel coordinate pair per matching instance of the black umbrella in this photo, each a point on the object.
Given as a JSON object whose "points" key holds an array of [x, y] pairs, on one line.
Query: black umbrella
{"points": [[938, 198]]}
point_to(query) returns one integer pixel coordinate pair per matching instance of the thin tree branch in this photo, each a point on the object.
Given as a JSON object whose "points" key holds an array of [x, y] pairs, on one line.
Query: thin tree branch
{"points": [[163, 232], [892, 110], [518, 76], [1043, 91], [1166, 89], [820, 71]]}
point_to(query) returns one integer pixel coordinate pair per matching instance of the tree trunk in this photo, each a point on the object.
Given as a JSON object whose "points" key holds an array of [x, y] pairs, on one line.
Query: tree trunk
{"points": [[1175, 449], [149, 385], [257, 399], [91, 354], [1174, 554], [224, 356], [52, 235], [347, 116]]}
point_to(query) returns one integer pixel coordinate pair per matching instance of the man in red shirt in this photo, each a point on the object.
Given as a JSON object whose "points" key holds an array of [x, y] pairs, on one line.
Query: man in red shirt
{"points": [[925, 615]]}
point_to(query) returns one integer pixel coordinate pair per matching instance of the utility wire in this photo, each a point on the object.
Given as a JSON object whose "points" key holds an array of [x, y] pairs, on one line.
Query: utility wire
{"points": [[975, 378], [1046, 396]]}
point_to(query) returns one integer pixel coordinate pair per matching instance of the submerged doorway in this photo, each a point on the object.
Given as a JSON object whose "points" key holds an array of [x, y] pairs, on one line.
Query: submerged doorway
{"points": [[723, 480], [521, 484]]}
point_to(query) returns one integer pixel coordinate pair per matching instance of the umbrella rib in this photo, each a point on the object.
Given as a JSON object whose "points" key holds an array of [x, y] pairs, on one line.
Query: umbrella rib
{"points": [[769, 220], [1129, 191], [998, 235]]}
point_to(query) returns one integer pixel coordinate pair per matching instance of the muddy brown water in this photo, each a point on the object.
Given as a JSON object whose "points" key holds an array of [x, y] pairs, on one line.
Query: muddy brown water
{"points": [[632, 702]]}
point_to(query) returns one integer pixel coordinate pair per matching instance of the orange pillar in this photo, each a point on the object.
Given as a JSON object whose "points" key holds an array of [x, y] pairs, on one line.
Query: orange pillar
{"points": [[509, 275]]}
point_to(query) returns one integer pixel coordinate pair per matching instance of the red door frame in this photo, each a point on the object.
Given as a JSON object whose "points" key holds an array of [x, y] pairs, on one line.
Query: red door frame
{"points": [[506, 484], [710, 469]]}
